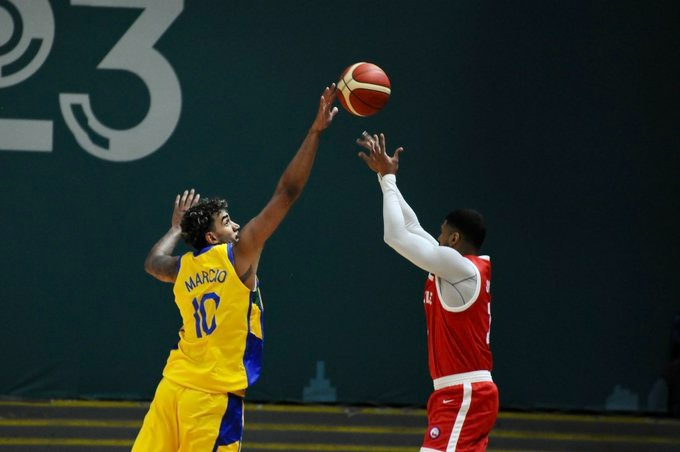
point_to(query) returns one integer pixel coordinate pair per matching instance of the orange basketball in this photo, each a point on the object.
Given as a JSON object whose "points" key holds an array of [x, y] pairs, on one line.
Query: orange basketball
{"points": [[363, 89]]}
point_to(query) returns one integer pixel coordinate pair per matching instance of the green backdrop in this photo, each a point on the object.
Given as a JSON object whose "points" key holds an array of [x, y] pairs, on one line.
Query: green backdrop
{"points": [[557, 120]]}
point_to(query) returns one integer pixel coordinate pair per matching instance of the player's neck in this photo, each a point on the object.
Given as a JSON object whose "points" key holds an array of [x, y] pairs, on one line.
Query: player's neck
{"points": [[465, 249]]}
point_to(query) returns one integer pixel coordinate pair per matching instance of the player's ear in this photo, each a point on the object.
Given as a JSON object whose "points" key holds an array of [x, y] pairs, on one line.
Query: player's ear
{"points": [[210, 238], [454, 238]]}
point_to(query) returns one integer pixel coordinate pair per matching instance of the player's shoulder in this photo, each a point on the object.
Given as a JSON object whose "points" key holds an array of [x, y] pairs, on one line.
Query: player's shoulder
{"points": [[482, 263], [479, 258]]}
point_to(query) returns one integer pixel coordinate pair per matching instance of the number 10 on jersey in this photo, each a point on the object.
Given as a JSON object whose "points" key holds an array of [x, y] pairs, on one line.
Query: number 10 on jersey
{"points": [[203, 324]]}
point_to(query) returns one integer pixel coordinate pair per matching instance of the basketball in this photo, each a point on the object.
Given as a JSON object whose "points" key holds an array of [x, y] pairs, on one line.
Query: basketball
{"points": [[363, 89]]}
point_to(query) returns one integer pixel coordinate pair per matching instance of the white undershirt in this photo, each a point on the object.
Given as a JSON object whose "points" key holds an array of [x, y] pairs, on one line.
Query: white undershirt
{"points": [[458, 276]]}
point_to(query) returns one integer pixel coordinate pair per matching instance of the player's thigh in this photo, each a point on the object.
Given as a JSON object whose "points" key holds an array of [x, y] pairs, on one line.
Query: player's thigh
{"points": [[210, 421], [483, 411], [460, 417], [159, 430]]}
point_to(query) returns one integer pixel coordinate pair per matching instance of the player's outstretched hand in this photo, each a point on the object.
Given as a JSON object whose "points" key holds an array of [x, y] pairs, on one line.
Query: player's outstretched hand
{"points": [[182, 203], [326, 111], [377, 158]]}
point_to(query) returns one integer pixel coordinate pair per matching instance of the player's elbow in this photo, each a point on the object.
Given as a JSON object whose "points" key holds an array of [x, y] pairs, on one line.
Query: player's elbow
{"points": [[398, 242], [152, 269], [289, 192], [390, 240], [149, 268]]}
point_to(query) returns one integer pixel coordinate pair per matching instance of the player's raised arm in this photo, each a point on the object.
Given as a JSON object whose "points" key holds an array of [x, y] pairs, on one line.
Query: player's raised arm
{"points": [[160, 263], [254, 234], [415, 245], [372, 144]]}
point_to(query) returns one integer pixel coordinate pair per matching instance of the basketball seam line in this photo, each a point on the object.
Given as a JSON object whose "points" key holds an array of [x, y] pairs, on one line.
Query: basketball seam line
{"points": [[375, 107]]}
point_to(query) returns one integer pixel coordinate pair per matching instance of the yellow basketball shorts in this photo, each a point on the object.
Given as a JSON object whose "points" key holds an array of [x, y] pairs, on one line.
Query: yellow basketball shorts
{"points": [[182, 419]]}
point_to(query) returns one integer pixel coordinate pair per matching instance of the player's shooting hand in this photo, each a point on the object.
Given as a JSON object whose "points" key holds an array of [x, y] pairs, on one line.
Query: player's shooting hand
{"points": [[377, 158], [182, 203], [326, 112]]}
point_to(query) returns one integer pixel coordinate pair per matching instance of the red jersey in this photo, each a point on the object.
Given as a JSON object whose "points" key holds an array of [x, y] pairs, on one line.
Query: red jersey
{"points": [[458, 338]]}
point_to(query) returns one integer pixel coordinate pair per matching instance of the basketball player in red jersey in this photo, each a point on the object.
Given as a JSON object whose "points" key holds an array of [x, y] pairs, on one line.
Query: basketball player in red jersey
{"points": [[463, 407]]}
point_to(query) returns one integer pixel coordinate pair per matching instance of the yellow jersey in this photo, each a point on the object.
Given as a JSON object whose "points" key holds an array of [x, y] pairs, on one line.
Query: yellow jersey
{"points": [[220, 342]]}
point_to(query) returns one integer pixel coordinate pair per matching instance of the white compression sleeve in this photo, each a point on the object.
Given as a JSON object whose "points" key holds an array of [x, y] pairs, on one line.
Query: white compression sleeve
{"points": [[424, 252], [411, 220]]}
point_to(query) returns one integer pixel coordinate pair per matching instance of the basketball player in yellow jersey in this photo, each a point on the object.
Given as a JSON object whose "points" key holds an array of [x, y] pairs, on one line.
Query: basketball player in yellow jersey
{"points": [[198, 405]]}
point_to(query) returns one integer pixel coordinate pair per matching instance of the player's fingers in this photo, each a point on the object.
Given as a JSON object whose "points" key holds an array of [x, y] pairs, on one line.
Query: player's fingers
{"points": [[364, 140], [177, 200], [325, 101], [194, 198], [329, 93], [376, 142], [375, 149], [382, 142], [363, 157], [398, 151], [363, 143], [195, 201]]}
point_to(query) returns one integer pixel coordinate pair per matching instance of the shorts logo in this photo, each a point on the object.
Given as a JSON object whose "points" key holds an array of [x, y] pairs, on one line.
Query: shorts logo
{"points": [[434, 432]]}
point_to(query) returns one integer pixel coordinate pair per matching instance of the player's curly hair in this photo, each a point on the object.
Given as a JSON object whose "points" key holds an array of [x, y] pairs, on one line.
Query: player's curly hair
{"points": [[471, 225], [198, 220]]}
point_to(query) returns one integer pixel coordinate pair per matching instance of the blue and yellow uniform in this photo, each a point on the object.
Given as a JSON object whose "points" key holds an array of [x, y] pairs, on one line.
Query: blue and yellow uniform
{"points": [[218, 356]]}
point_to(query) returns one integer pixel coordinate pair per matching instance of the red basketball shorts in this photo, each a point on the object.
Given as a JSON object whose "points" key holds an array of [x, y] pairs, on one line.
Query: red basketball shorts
{"points": [[460, 417]]}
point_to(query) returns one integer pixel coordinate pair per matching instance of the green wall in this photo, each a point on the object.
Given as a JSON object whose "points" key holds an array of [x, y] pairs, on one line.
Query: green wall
{"points": [[557, 120]]}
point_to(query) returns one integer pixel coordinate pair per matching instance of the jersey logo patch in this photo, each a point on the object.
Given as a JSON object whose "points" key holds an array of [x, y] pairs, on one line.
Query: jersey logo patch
{"points": [[434, 432]]}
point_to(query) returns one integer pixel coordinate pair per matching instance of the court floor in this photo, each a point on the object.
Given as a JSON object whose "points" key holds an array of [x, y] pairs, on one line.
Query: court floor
{"points": [[98, 426]]}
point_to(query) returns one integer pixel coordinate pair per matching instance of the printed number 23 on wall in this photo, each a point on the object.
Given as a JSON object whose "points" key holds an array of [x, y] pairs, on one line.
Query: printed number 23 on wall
{"points": [[26, 37]]}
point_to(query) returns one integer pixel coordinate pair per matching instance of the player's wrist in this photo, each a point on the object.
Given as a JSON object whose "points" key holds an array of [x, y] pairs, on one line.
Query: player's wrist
{"points": [[387, 176]]}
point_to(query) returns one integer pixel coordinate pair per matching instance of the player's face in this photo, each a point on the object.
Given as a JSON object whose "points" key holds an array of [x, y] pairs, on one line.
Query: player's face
{"points": [[446, 234], [225, 229]]}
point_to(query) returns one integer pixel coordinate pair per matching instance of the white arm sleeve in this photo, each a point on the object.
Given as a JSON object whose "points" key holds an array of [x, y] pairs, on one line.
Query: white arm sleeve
{"points": [[411, 220], [423, 251]]}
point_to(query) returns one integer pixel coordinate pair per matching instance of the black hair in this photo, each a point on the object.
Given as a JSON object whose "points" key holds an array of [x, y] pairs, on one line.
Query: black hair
{"points": [[198, 220], [471, 225]]}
